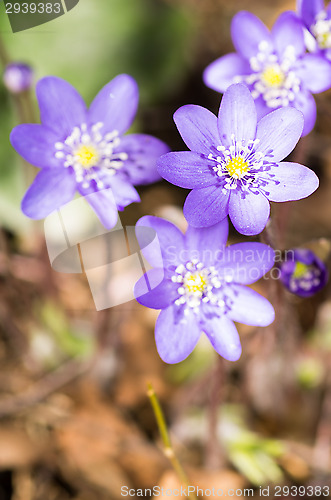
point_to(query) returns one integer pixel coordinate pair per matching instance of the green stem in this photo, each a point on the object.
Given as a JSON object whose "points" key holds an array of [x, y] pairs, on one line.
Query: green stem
{"points": [[24, 108], [167, 446]]}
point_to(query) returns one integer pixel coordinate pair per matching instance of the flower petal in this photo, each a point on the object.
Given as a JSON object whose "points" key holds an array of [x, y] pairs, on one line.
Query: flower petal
{"points": [[187, 170], [207, 243], [36, 144], [315, 73], [245, 262], [308, 9], [205, 207], [237, 115], [143, 152], [262, 108], [198, 128], [288, 32], [306, 104], [176, 339], [155, 291], [123, 191], [279, 132], [223, 336], [170, 241], [51, 189], [250, 308], [247, 32], [294, 182], [220, 74], [115, 105], [249, 212], [61, 106], [104, 205]]}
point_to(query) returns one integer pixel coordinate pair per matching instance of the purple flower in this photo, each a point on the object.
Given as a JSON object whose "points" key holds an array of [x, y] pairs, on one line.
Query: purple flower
{"points": [[84, 150], [18, 77], [234, 165], [302, 272], [273, 65], [202, 289], [317, 20]]}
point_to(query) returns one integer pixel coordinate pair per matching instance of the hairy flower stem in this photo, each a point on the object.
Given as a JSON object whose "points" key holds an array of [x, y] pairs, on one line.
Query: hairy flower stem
{"points": [[213, 457], [24, 107], [167, 446]]}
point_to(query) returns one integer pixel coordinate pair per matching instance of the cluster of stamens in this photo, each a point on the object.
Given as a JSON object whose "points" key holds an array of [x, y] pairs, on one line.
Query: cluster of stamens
{"points": [[91, 154], [275, 81], [322, 30], [197, 285], [304, 277], [240, 165]]}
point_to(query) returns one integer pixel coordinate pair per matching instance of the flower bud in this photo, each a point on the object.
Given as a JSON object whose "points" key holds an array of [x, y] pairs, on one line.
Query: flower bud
{"points": [[18, 77]]}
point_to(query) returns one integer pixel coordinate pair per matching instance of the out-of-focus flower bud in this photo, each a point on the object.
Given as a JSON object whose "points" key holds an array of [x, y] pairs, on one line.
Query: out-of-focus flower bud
{"points": [[18, 77]]}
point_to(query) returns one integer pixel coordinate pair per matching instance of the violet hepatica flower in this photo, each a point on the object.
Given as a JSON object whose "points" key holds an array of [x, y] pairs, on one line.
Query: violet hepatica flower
{"points": [[302, 272], [234, 165], [203, 288], [273, 65], [317, 20], [85, 150]]}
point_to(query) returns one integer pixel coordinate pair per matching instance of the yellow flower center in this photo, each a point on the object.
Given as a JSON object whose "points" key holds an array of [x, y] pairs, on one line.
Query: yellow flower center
{"points": [[273, 76], [237, 167], [87, 156], [324, 40], [195, 282], [300, 270]]}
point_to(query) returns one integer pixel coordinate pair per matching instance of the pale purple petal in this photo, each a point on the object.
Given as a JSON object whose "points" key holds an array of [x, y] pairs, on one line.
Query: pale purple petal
{"points": [[207, 243], [245, 262], [104, 205], [155, 291], [205, 207], [288, 31], [308, 9], [51, 189], [262, 108], [170, 241], [143, 152], [123, 192], [291, 181], [237, 115], [115, 105], [250, 308], [314, 72], [198, 128], [36, 144], [175, 339], [249, 212], [220, 74], [223, 336], [248, 31], [279, 132], [61, 106], [306, 104], [187, 170]]}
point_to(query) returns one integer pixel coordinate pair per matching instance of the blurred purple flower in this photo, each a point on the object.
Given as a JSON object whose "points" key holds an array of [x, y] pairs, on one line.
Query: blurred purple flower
{"points": [[302, 272], [317, 20], [234, 167], [273, 65], [84, 150], [202, 288], [18, 77]]}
